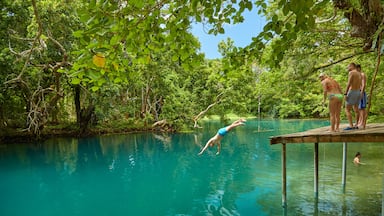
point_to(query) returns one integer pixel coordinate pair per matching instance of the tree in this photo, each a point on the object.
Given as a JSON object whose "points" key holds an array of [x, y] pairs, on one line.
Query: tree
{"points": [[297, 17], [303, 37], [138, 61], [41, 54]]}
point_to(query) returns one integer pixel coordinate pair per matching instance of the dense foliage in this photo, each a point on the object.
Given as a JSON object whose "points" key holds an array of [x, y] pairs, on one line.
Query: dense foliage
{"points": [[132, 64]]}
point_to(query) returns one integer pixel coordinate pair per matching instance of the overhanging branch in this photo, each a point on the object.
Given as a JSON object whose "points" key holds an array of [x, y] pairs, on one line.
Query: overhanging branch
{"points": [[196, 118], [341, 60]]}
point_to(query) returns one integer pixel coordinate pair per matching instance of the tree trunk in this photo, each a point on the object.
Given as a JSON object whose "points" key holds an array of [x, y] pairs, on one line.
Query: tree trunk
{"points": [[364, 22], [85, 118], [77, 103], [54, 104], [2, 120], [144, 101]]}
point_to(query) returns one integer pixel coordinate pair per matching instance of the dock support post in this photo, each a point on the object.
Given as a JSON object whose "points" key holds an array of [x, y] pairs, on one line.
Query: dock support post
{"points": [[316, 171], [344, 169], [284, 176], [382, 200], [316, 177]]}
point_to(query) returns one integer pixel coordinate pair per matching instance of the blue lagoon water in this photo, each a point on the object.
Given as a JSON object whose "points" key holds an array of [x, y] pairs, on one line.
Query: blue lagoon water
{"points": [[161, 174]]}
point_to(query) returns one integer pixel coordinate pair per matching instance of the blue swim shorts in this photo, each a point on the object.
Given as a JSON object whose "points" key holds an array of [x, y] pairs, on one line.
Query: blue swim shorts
{"points": [[222, 131], [353, 97], [363, 101]]}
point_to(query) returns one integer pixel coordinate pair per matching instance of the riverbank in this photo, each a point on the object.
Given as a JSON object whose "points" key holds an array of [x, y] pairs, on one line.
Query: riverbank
{"points": [[21, 135], [18, 135]]}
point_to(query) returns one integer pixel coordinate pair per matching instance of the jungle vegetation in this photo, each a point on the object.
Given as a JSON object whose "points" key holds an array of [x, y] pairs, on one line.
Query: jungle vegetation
{"points": [[102, 65]]}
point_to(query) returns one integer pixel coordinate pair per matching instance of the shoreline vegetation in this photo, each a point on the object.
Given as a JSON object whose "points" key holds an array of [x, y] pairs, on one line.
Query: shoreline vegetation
{"points": [[71, 130], [92, 65], [21, 135]]}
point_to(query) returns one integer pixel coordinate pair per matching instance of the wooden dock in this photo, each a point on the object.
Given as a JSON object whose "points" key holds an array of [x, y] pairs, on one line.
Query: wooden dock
{"points": [[372, 133]]}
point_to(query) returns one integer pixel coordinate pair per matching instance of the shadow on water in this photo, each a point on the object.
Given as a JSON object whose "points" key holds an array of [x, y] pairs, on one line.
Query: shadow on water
{"points": [[161, 174]]}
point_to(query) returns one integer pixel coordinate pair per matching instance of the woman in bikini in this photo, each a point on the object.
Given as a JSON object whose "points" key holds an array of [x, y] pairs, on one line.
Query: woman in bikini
{"points": [[332, 91]]}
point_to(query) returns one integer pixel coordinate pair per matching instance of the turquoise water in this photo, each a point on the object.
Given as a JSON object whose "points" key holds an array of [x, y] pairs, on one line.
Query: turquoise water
{"points": [[160, 174]]}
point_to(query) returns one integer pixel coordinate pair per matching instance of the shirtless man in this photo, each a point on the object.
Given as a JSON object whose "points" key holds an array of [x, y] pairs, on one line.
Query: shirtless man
{"points": [[332, 91], [220, 134], [352, 95], [363, 101]]}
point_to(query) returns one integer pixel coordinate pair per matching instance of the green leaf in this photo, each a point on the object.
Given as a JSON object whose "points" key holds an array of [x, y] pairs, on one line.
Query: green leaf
{"points": [[249, 5], [175, 58], [100, 82], [90, 20], [117, 80], [95, 88], [138, 3], [94, 75], [198, 18], [100, 49], [75, 81], [286, 10], [115, 40], [78, 33]]}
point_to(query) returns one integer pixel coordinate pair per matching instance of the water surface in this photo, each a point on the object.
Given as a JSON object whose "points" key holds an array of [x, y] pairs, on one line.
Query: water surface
{"points": [[161, 174]]}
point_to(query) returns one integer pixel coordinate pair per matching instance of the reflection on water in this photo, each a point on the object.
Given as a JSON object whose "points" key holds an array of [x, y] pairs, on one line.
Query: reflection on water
{"points": [[161, 174]]}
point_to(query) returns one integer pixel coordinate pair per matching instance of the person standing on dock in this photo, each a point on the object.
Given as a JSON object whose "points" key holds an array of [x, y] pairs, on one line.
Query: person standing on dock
{"points": [[352, 95], [363, 100], [220, 134], [333, 91]]}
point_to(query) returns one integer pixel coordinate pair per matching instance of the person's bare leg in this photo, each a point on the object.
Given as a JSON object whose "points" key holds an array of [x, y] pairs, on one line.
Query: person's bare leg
{"points": [[331, 119], [218, 148], [338, 112], [337, 122], [349, 114], [332, 114], [362, 117], [360, 123], [235, 124], [357, 114]]}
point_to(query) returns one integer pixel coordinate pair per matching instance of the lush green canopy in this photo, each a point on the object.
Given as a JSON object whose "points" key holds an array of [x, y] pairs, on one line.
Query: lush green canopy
{"points": [[136, 62]]}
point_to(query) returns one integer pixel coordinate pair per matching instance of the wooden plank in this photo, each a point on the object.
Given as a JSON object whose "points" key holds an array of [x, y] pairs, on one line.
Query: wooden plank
{"points": [[372, 133], [377, 137]]}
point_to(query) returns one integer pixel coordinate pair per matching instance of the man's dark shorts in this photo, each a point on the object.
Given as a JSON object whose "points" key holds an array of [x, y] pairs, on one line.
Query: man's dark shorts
{"points": [[363, 101]]}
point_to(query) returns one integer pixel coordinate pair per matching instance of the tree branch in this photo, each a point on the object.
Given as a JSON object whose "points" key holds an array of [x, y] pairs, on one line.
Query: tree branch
{"points": [[329, 19], [341, 60], [196, 118]]}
